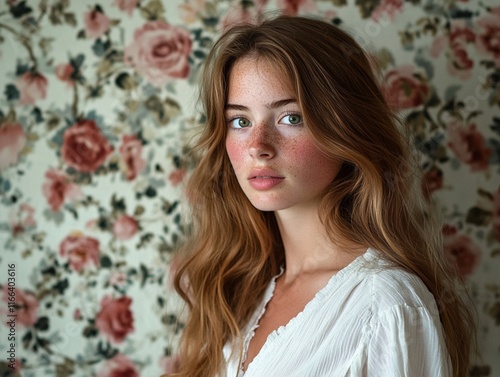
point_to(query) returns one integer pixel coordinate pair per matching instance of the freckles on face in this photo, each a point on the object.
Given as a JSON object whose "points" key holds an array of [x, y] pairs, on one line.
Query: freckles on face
{"points": [[267, 139]]}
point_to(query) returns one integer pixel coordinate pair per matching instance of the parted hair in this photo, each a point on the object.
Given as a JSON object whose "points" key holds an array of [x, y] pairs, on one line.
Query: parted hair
{"points": [[233, 250]]}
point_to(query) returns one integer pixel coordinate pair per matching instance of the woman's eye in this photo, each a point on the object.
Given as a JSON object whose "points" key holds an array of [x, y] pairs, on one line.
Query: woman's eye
{"points": [[293, 119], [239, 123]]}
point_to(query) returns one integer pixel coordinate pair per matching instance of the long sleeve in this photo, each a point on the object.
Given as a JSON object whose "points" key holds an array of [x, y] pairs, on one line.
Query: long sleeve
{"points": [[407, 341]]}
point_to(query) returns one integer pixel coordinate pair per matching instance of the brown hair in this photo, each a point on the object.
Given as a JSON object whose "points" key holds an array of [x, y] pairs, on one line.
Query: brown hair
{"points": [[235, 249]]}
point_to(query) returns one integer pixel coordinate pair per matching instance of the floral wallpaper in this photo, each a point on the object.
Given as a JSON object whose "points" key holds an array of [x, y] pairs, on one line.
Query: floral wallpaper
{"points": [[97, 100]]}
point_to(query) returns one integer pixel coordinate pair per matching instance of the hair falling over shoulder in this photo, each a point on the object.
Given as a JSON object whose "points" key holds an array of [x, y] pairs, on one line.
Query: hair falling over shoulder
{"points": [[234, 249]]}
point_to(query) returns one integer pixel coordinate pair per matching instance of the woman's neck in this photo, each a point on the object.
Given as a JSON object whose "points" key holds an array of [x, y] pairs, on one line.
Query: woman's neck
{"points": [[308, 249]]}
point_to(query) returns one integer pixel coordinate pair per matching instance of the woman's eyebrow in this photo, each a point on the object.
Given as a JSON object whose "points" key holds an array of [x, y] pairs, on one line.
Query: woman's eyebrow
{"points": [[281, 103], [231, 106], [272, 105]]}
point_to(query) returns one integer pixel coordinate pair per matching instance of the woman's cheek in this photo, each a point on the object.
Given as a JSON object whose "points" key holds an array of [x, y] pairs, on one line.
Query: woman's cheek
{"points": [[234, 151]]}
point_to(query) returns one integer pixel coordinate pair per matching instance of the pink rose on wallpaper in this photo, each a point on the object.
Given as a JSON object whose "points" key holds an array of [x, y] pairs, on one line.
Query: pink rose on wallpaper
{"points": [[96, 23], [81, 251], [177, 176], [125, 227], [59, 188], [64, 72], [461, 251], [169, 364], [115, 319], [496, 214], [32, 87], [126, 5], [21, 218], [455, 43], [118, 279], [387, 7], [12, 142], [160, 52], [26, 306], [119, 366], [77, 315], [84, 146], [130, 156], [488, 41], [293, 7], [403, 89], [432, 181], [468, 145]]}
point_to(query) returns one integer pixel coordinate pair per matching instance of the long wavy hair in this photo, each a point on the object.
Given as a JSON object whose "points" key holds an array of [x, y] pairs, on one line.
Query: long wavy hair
{"points": [[233, 249]]}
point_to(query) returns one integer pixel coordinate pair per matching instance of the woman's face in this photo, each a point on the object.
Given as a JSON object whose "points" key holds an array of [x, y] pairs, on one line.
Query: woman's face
{"points": [[275, 160]]}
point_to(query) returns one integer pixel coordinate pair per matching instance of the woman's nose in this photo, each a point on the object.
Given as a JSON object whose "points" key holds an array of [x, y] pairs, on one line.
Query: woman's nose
{"points": [[262, 142]]}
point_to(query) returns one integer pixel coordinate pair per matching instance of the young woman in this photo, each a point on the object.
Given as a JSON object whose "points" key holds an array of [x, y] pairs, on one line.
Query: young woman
{"points": [[312, 252]]}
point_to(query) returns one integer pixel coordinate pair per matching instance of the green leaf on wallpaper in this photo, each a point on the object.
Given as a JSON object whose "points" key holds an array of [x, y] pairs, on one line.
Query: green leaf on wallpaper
{"points": [[199, 54], [367, 7], [478, 216], [118, 204], [5, 185], [433, 99], [206, 42], [19, 10], [106, 261], [139, 210], [495, 148], [472, 115], [150, 192], [61, 286], [495, 252], [451, 92], [11, 92], [153, 10], [144, 274], [37, 115], [168, 207], [26, 339], [210, 22], [100, 47], [108, 352], [455, 12], [428, 25], [49, 271], [407, 39], [145, 239], [124, 81], [495, 127], [90, 331], [77, 61], [384, 58], [57, 217], [169, 319], [70, 19], [42, 324], [65, 369], [422, 61], [21, 69]]}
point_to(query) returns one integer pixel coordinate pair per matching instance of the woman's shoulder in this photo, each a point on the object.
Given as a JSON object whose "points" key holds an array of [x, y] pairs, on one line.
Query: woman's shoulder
{"points": [[392, 286]]}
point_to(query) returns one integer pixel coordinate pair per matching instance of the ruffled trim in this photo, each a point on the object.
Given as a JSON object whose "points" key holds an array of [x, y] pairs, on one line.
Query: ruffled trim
{"points": [[361, 261], [256, 319]]}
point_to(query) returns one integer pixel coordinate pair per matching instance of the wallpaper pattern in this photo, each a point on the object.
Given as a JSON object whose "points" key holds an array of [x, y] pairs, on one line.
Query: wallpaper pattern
{"points": [[96, 103]]}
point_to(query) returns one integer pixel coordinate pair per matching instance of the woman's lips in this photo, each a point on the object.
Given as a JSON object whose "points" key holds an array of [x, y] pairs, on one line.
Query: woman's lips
{"points": [[264, 179], [265, 183]]}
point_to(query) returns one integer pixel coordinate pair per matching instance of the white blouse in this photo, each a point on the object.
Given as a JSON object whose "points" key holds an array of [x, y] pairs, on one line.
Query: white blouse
{"points": [[371, 319]]}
